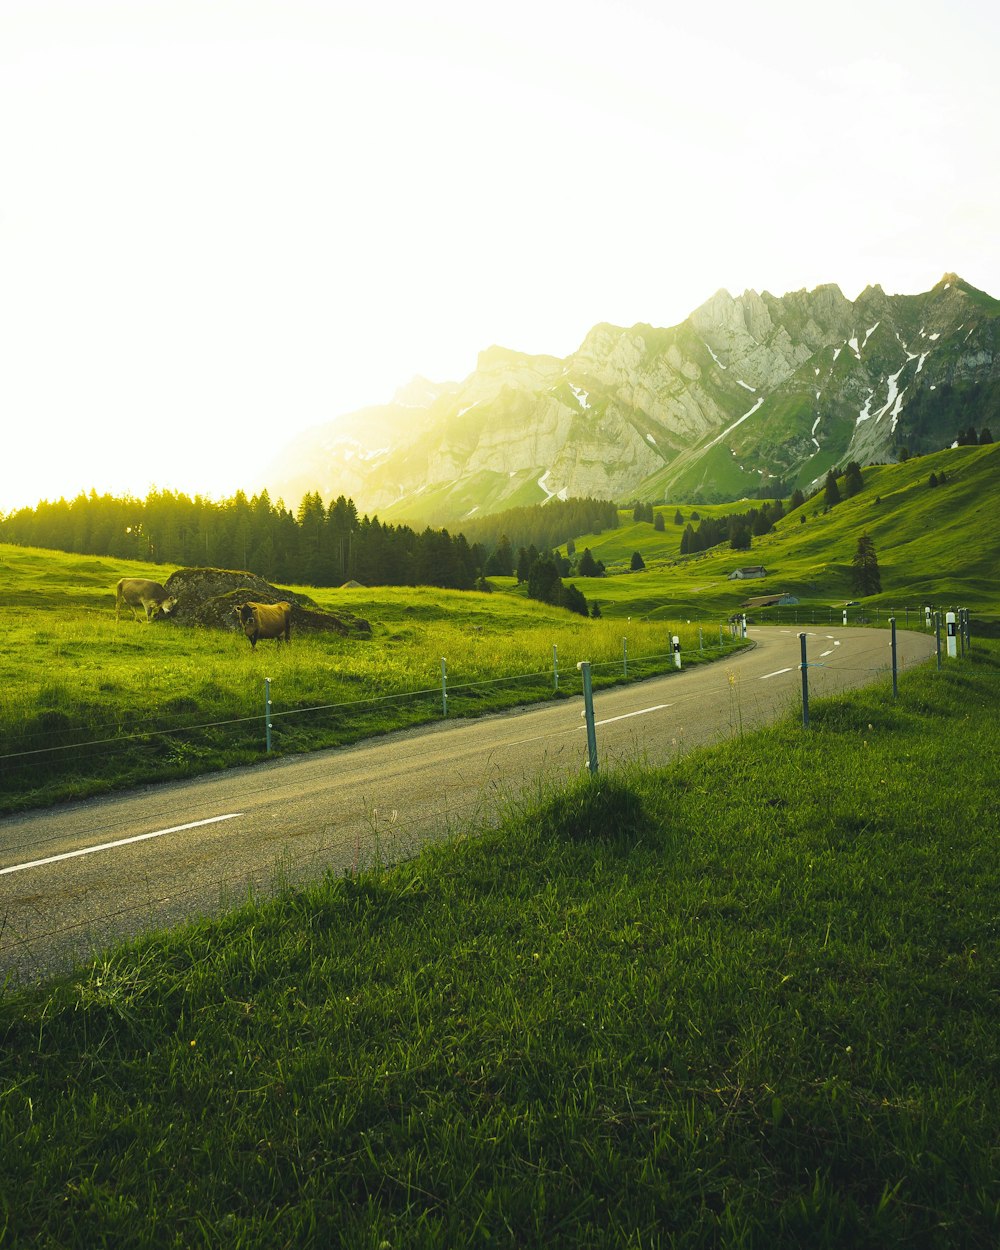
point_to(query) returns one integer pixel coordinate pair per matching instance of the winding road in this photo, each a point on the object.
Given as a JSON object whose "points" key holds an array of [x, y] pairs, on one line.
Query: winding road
{"points": [[78, 877]]}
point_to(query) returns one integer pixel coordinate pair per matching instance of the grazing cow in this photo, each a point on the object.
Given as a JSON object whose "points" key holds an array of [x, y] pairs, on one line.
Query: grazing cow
{"points": [[266, 620], [138, 592]]}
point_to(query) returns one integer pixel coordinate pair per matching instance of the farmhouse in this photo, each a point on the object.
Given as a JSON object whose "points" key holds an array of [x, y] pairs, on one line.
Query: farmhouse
{"points": [[752, 570]]}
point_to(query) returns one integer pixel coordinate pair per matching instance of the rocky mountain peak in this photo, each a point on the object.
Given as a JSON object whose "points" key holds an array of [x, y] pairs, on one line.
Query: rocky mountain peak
{"points": [[747, 390]]}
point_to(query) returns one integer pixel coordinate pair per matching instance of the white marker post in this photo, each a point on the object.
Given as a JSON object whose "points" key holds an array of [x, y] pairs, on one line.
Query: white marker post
{"points": [[949, 618], [677, 651], [845, 616]]}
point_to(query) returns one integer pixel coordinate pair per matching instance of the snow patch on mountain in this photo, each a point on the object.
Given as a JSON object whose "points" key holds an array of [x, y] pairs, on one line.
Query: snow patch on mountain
{"points": [[740, 421]]}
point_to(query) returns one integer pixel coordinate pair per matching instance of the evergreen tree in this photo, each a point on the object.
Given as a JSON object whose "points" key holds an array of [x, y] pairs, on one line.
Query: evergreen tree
{"points": [[831, 494], [637, 561], [740, 540], [796, 501], [573, 600], [595, 610], [658, 523], [587, 566], [985, 436], [853, 480], [865, 576], [501, 562], [932, 480], [544, 582], [678, 517]]}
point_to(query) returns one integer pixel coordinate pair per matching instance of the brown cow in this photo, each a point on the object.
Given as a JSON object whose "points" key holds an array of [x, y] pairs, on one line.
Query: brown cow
{"points": [[266, 620], [139, 592]]}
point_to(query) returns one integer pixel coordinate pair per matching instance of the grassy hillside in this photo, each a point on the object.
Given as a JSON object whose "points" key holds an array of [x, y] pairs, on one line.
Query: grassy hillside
{"points": [[734, 1003], [935, 545]]}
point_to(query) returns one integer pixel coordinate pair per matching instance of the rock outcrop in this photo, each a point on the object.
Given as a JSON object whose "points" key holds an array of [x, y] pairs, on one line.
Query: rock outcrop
{"points": [[210, 598]]}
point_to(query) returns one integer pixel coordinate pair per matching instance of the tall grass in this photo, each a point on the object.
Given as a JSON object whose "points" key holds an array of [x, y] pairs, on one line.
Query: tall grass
{"points": [[748, 1000]]}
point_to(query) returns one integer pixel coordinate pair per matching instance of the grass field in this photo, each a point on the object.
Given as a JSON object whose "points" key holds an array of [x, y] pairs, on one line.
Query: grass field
{"points": [[750, 1000], [87, 704]]}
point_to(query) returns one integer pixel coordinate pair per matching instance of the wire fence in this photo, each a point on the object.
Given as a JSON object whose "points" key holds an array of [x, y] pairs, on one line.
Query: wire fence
{"points": [[140, 749]]}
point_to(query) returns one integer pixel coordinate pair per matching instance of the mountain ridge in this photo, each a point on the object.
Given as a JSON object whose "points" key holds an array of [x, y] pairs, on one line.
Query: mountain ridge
{"points": [[748, 394]]}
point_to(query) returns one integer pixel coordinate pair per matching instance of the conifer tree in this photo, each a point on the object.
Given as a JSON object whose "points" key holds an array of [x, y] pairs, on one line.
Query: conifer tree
{"points": [[865, 576]]}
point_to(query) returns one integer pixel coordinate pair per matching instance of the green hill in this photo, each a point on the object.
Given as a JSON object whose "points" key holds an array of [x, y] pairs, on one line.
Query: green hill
{"points": [[934, 544]]}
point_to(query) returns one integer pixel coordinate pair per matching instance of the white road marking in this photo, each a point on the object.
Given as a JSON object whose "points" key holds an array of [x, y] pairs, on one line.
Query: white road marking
{"points": [[108, 846], [824, 654], [642, 712], [777, 673]]}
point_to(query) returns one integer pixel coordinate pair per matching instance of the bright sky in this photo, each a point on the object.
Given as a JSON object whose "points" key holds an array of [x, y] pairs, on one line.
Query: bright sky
{"points": [[222, 222]]}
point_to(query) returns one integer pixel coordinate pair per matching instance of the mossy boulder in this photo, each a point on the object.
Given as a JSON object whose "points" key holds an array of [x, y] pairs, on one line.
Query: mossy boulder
{"points": [[209, 598]]}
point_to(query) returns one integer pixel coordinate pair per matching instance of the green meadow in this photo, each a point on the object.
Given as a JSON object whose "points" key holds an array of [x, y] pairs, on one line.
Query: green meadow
{"points": [[747, 1000], [935, 545], [88, 703]]}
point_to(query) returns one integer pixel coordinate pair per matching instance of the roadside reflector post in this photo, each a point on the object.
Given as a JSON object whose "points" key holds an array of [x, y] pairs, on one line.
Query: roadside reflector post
{"points": [[845, 616], [927, 618], [588, 712], [267, 713], [444, 687], [937, 636], [555, 667], [892, 644], [677, 651], [805, 682], [701, 640], [952, 638]]}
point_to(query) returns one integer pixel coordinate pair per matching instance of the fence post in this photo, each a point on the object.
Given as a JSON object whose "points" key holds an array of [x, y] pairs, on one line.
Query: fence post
{"points": [[624, 657], [267, 713], [588, 711], [892, 644], [555, 667], [805, 683], [444, 687]]}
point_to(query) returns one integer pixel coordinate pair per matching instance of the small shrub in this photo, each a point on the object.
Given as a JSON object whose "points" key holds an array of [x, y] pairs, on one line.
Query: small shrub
{"points": [[596, 809]]}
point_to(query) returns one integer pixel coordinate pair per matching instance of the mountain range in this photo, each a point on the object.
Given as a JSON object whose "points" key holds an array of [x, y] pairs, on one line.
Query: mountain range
{"points": [[750, 395]]}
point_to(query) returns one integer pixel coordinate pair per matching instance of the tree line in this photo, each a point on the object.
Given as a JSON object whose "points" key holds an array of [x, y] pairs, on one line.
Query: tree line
{"points": [[543, 526], [316, 545]]}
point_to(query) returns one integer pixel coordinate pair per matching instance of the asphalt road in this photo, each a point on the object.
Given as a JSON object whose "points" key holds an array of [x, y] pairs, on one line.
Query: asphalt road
{"points": [[75, 878]]}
